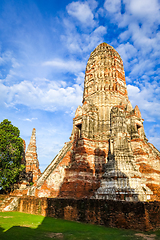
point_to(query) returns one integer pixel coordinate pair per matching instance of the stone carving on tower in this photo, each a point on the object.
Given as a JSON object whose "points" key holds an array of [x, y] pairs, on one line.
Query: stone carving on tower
{"points": [[108, 155]]}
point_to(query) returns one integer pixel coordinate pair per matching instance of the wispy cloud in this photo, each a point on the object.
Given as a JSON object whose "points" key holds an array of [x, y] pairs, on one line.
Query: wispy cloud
{"points": [[49, 97], [82, 12], [82, 43], [144, 10], [146, 100], [112, 6], [67, 66], [30, 119], [127, 51]]}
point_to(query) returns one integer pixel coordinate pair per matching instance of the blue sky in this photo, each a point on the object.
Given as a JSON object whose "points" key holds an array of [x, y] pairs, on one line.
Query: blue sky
{"points": [[44, 48]]}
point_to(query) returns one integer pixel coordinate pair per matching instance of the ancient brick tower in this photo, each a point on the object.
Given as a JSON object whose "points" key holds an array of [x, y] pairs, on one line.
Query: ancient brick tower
{"points": [[108, 155], [32, 163]]}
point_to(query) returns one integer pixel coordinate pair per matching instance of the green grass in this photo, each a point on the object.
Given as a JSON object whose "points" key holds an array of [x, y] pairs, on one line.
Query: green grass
{"points": [[22, 226]]}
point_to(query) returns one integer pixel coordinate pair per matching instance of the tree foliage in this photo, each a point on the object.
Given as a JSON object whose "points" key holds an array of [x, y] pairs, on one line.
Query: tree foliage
{"points": [[11, 150]]}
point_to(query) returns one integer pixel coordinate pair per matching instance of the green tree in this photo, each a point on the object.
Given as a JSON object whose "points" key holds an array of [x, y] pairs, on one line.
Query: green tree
{"points": [[11, 150]]}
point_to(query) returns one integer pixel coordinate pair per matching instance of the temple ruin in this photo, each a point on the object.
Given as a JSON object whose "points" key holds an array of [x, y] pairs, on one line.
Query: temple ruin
{"points": [[108, 155]]}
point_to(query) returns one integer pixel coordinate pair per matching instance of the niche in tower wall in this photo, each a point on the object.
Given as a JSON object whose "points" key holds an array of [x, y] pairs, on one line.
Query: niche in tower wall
{"points": [[138, 128], [79, 128]]}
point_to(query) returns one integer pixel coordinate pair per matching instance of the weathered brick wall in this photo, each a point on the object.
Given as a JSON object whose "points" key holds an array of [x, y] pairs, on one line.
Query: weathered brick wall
{"points": [[3, 201], [130, 215], [33, 205]]}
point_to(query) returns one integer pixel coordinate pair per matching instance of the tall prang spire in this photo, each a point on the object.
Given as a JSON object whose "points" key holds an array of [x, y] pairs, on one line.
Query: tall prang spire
{"points": [[104, 88], [32, 163], [32, 144]]}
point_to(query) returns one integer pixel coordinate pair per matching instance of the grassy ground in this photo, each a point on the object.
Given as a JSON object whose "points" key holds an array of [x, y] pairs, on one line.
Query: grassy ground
{"points": [[21, 226]]}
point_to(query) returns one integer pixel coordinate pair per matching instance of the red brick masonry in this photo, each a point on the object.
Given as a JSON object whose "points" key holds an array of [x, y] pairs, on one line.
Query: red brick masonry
{"points": [[142, 216]]}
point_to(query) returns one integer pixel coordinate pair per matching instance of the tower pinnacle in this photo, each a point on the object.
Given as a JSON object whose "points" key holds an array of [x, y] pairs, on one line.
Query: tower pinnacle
{"points": [[104, 77], [32, 163]]}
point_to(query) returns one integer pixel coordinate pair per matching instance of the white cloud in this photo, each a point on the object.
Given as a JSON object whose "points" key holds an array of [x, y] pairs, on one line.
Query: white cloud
{"points": [[80, 78], [49, 97], [128, 80], [71, 38], [92, 3], [82, 12], [126, 51], [143, 12], [99, 31], [132, 90], [92, 40], [67, 66], [145, 98], [141, 67], [148, 9], [29, 119], [112, 6], [141, 38], [6, 58], [124, 36], [153, 130], [82, 43], [154, 133], [140, 20]]}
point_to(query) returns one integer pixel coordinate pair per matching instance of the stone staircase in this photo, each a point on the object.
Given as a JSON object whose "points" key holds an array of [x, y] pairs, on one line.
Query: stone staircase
{"points": [[58, 158]]}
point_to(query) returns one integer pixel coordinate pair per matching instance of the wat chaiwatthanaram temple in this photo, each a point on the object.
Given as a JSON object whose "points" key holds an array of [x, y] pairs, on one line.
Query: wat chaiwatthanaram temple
{"points": [[108, 155]]}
